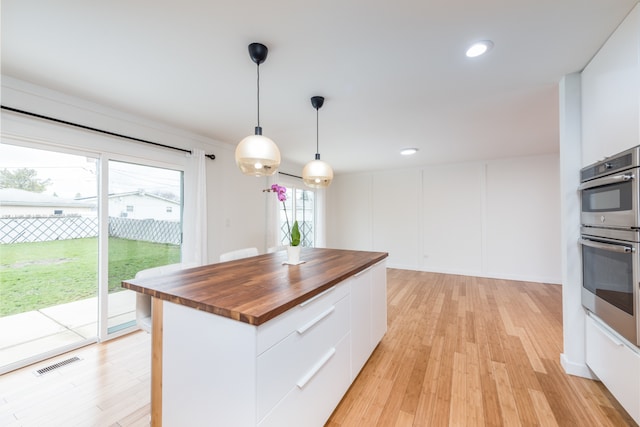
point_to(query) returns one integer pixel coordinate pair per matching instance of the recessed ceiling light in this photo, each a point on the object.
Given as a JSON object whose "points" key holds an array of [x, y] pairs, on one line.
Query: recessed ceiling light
{"points": [[479, 48], [408, 151]]}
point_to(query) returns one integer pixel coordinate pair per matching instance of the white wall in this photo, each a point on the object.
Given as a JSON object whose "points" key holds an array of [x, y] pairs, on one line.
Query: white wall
{"points": [[453, 199], [395, 213], [349, 212], [497, 218], [523, 219]]}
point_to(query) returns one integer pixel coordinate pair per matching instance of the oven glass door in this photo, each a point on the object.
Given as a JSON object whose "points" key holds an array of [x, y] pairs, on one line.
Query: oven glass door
{"points": [[608, 198], [611, 201], [607, 271]]}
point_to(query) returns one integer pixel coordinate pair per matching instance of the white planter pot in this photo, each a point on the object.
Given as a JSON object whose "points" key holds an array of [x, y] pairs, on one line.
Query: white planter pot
{"points": [[293, 254]]}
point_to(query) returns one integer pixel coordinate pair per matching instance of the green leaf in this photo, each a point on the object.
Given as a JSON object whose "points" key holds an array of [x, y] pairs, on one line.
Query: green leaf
{"points": [[295, 234]]}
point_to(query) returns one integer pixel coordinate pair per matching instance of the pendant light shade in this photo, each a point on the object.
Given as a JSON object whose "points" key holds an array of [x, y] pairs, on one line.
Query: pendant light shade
{"points": [[257, 155], [316, 173]]}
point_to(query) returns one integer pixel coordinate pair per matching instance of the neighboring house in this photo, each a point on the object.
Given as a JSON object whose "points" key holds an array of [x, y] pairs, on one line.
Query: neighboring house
{"points": [[142, 205], [15, 202]]}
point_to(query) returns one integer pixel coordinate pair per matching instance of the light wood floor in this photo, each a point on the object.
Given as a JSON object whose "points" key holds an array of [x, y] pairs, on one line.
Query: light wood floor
{"points": [[460, 351]]}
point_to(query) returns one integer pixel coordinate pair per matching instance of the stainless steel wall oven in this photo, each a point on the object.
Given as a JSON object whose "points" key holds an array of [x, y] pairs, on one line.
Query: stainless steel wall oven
{"points": [[610, 242]]}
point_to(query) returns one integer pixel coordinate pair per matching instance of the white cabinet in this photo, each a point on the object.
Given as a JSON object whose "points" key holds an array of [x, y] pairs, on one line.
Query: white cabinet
{"points": [[360, 320], [290, 371], [368, 314], [378, 302], [611, 94], [309, 349], [616, 364], [310, 403]]}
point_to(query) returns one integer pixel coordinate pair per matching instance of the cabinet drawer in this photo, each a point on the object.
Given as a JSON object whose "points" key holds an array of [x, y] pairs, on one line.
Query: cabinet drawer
{"points": [[280, 327], [615, 364], [287, 363], [311, 403]]}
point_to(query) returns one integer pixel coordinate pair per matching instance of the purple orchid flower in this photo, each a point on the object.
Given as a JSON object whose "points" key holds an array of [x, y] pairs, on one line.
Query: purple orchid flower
{"points": [[281, 191]]}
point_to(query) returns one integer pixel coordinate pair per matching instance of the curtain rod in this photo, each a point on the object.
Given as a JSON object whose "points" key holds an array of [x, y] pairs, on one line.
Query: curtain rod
{"points": [[64, 122], [288, 174]]}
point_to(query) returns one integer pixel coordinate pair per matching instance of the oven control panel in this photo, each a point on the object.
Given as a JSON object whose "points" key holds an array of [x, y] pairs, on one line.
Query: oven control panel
{"points": [[619, 162]]}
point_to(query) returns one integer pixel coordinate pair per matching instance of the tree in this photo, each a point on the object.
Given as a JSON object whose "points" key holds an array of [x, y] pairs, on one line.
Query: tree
{"points": [[23, 179]]}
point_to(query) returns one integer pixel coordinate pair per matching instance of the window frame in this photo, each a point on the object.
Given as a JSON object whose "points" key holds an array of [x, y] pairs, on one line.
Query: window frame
{"points": [[274, 208]]}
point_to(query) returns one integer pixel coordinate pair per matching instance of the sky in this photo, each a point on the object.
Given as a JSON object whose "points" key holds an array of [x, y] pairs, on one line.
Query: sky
{"points": [[73, 175]]}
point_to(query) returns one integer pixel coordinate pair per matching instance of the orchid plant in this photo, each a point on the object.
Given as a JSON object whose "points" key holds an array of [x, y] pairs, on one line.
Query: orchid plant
{"points": [[294, 233]]}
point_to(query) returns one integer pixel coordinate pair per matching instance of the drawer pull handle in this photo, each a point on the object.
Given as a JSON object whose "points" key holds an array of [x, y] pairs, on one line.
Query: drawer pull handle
{"points": [[310, 300], [304, 380], [315, 320], [613, 340], [610, 337]]}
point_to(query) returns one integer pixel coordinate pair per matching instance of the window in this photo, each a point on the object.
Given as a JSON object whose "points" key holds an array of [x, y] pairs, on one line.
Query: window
{"points": [[57, 212], [169, 209], [301, 208], [129, 208]]}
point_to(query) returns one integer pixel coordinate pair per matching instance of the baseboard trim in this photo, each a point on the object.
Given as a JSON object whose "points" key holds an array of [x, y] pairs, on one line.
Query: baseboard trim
{"points": [[576, 369]]}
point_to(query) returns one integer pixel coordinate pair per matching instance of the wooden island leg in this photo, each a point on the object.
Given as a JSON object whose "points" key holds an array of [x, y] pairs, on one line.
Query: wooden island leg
{"points": [[156, 363]]}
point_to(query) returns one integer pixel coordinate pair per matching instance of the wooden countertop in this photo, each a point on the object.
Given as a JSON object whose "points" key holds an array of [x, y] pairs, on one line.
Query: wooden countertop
{"points": [[256, 289]]}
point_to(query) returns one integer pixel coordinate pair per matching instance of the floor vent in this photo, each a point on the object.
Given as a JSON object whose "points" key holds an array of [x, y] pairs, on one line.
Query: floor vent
{"points": [[55, 366]]}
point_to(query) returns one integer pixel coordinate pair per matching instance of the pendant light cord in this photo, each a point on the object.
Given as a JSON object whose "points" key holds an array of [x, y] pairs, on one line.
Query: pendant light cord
{"points": [[317, 132], [258, 83]]}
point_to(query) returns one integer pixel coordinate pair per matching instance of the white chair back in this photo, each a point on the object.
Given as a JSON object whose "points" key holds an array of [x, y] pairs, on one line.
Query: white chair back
{"points": [[143, 302], [238, 254]]}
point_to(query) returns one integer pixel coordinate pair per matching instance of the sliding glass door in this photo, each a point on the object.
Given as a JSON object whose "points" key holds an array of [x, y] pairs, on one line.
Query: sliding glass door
{"points": [[145, 230], [65, 247], [48, 252]]}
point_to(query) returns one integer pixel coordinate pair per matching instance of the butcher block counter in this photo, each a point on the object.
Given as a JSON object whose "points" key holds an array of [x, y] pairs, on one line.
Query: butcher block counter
{"points": [[259, 342]]}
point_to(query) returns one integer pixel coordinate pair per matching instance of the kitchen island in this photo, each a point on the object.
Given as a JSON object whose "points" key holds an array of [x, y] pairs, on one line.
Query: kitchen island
{"points": [[258, 342]]}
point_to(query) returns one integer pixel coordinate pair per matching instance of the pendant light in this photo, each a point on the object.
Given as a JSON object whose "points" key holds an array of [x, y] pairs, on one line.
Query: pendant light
{"points": [[316, 173], [257, 155]]}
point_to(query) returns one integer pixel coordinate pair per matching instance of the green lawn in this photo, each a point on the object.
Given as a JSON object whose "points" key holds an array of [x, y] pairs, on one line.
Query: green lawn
{"points": [[39, 275]]}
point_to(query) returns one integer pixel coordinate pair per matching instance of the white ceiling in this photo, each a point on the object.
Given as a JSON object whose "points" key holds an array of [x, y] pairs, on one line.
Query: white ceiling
{"points": [[393, 73]]}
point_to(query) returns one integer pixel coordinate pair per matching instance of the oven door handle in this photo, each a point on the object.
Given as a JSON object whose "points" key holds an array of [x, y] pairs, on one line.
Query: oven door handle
{"points": [[607, 246], [607, 180]]}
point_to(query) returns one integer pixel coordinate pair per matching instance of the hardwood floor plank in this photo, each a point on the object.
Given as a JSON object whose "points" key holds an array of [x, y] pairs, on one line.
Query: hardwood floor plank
{"points": [[404, 420], [530, 352], [474, 405], [565, 406], [458, 407], [508, 406], [522, 379], [427, 399], [542, 409], [399, 389], [413, 389]]}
